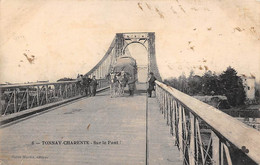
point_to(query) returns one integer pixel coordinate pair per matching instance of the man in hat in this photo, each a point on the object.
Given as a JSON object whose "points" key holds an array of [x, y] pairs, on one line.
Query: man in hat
{"points": [[93, 86], [131, 85], [81, 84], [151, 83], [87, 82]]}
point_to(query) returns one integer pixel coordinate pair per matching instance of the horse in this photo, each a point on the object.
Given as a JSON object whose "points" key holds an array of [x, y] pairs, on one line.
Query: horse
{"points": [[122, 79]]}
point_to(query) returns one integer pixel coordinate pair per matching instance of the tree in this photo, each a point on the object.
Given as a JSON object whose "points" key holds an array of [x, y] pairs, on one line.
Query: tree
{"points": [[232, 87], [172, 82], [180, 83], [183, 83], [194, 84], [210, 84]]}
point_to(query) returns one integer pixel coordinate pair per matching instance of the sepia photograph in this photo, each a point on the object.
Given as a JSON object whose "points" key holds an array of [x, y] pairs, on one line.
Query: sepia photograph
{"points": [[129, 82]]}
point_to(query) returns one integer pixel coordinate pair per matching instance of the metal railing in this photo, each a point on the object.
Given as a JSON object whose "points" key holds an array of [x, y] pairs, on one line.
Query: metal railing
{"points": [[16, 98], [204, 134]]}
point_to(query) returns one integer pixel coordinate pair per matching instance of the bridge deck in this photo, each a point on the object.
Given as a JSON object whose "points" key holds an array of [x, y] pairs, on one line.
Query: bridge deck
{"points": [[102, 119]]}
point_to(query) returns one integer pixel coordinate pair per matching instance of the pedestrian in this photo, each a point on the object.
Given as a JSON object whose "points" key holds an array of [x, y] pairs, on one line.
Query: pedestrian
{"points": [[112, 81], [87, 81], [93, 86], [81, 84], [151, 83], [131, 85]]}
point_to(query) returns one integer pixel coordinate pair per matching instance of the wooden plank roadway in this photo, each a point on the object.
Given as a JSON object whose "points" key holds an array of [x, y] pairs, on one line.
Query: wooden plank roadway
{"points": [[98, 119], [161, 146]]}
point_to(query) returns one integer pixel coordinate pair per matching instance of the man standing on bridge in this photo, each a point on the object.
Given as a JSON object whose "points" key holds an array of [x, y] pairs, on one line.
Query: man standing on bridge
{"points": [[88, 85], [151, 82], [81, 83], [93, 86], [131, 85]]}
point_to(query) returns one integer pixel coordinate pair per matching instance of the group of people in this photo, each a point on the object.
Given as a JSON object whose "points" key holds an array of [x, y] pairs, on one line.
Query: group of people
{"points": [[118, 82], [87, 85]]}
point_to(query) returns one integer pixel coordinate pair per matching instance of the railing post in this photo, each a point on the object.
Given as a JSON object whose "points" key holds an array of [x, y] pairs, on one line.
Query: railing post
{"points": [[215, 149], [15, 100], [185, 134], [61, 92], [198, 137], [160, 99], [38, 95], [167, 110], [221, 153], [27, 98], [74, 89], [66, 91], [192, 140], [71, 90], [171, 117], [196, 140], [164, 104], [1, 102], [101, 71], [54, 92], [174, 119], [180, 131], [229, 161], [77, 89], [46, 94]]}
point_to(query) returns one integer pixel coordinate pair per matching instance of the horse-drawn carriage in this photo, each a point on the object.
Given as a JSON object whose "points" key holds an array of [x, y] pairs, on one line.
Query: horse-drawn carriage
{"points": [[123, 72]]}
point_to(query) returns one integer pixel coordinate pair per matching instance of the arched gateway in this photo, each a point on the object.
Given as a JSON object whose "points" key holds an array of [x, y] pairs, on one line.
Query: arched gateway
{"points": [[119, 47]]}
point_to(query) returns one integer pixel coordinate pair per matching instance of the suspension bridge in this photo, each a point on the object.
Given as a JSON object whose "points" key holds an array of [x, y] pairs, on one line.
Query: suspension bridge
{"points": [[52, 123]]}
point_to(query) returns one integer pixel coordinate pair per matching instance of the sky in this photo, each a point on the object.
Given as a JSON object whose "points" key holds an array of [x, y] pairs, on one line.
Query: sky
{"points": [[51, 39]]}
